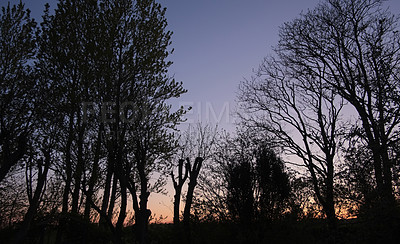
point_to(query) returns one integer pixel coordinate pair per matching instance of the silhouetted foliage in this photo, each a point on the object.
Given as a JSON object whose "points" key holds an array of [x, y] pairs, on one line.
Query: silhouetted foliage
{"points": [[360, 181], [95, 101], [240, 199], [258, 187], [17, 48], [273, 185], [246, 183]]}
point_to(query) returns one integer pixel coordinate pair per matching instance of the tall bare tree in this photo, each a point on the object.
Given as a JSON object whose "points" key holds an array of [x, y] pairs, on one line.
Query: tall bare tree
{"points": [[303, 117], [352, 47]]}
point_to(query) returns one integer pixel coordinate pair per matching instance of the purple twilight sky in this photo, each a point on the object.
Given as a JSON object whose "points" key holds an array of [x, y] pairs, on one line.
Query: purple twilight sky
{"points": [[217, 44]]}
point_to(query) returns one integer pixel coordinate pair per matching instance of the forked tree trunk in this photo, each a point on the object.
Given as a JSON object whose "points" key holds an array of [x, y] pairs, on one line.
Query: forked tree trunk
{"points": [[178, 187], [193, 174], [68, 180], [34, 202]]}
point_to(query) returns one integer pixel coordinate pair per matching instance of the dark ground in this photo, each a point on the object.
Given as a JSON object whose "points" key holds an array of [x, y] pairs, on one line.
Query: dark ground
{"points": [[361, 230]]}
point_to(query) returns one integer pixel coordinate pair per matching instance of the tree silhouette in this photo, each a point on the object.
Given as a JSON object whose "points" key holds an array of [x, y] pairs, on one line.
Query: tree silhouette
{"points": [[302, 116], [194, 171], [43, 165], [241, 185], [88, 131], [66, 80], [353, 48], [258, 186], [196, 142], [17, 48], [181, 178], [100, 104], [359, 178], [273, 184]]}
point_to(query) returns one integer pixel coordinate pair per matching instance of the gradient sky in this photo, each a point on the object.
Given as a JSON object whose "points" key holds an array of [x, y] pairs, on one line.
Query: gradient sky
{"points": [[217, 44]]}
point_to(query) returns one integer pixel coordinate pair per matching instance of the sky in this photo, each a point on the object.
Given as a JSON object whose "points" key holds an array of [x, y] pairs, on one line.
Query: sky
{"points": [[218, 44]]}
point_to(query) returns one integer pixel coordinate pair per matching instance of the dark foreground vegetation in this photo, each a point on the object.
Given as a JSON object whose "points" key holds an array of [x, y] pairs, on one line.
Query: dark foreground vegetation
{"points": [[361, 230], [88, 132], [305, 231]]}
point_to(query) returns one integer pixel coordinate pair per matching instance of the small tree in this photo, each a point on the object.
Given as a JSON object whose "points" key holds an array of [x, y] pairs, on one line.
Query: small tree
{"points": [[194, 171], [183, 170], [272, 183], [241, 186], [258, 186], [198, 143]]}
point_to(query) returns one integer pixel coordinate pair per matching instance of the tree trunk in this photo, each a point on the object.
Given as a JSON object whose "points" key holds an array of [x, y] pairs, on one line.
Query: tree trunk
{"points": [[329, 199], [113, 196], [79, 169], [122, 215], [68, 180], [387, 176], [107, 190], [122, 175], [144, 213], [193, 174], [189, 200], [374, 144], [177, 201], [178, 187], [34, 203], [94, 176]]}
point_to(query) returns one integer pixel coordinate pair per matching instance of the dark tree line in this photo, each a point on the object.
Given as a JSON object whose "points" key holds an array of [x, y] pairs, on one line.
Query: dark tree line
{"points": [[84, 101], [328, 99]]}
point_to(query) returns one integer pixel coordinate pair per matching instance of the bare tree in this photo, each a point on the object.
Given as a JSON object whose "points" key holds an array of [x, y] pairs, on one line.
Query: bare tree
{"points": [[34, 197], [199, 143], [196, 142], [194, 170], [181, 178], [302, 115], [352, 46]]}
